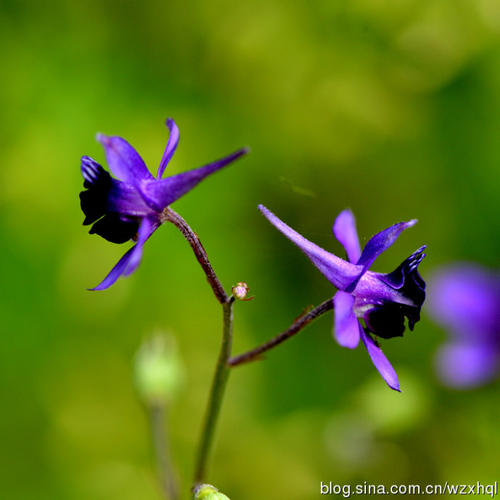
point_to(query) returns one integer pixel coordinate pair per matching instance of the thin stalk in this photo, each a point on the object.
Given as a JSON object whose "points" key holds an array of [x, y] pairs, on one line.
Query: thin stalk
{"points": [[164, 466], [216, 393], [295, 328], [222, 368], [200, 253], [225, 362]]}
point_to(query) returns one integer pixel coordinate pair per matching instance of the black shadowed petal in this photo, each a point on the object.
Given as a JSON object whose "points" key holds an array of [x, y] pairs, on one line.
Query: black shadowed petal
{"points": [[98, 183], [407, 280], [386, 320], [116, 228]]}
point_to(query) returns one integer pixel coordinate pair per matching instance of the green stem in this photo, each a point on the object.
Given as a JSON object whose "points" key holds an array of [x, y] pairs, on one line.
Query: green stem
{"points": [[216, 393], [166, 473]]}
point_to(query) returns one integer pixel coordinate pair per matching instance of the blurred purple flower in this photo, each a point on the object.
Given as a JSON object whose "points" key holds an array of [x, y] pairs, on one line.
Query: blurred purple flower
{"points": [[133, 206], [382, 301], [465, 299]]}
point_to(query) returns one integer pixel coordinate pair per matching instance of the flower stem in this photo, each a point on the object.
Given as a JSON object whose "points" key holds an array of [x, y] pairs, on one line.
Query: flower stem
{"points": [[200, 253], [166, 473], [216, 392], [225, 362], [222, 368], [295, 328]]}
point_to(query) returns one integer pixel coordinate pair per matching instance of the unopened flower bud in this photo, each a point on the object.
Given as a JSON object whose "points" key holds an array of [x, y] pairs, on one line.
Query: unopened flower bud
{"points": [[240, 291], [158, 369], [208, 492]]}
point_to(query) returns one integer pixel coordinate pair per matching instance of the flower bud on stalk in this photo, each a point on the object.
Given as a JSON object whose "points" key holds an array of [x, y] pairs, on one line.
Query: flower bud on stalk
{"points": [[208, 492], [240, 291], [158, 370]]}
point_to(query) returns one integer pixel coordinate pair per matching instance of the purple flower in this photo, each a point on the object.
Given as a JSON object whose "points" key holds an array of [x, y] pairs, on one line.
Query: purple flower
{"points": [[382, 301], [465, 299], [132, 205]]}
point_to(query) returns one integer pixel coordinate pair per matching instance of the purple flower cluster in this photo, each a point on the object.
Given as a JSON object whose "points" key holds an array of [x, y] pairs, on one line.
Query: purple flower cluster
{"points": [[381, 301], [133, 204], [131, 207]]}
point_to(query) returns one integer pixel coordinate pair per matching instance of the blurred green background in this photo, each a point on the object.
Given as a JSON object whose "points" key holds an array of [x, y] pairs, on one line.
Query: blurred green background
{"points": [[390, 107]]}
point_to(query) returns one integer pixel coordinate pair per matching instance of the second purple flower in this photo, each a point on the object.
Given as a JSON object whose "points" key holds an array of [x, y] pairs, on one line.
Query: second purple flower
{"points": [[381, 301]]}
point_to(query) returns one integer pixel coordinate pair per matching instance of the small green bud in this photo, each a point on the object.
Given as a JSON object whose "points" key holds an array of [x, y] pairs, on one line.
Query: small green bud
{"points": [[158, 369], [208, 492], [240, 291]]}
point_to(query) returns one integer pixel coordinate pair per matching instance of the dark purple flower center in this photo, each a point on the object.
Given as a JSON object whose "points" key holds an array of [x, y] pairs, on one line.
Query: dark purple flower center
{"points": [[387, 319], [114, 227]]}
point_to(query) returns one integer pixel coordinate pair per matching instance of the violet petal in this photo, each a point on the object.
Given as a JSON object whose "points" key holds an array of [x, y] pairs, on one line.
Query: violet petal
{"points": [[146, 229], [382, 241], [346, 325], [162, 193], [380, 361], [124, 198], [344, 230], [173, 140], [115, 273], [379, 244], [129, 262], [123, 160], [338, 271], [467, 365], [466, 299]]}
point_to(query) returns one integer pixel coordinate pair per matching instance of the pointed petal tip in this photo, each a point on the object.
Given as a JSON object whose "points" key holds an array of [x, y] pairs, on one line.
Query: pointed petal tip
{"points": [[240, 152], [102, 138], [266, 212], [351, 345], [346, 211], [392, 382], [380, 361], [100, 287]]}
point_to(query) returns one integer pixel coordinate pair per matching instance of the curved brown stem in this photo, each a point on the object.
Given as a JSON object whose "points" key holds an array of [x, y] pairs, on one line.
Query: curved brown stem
{"points": [[200, 253], [295, 328]]}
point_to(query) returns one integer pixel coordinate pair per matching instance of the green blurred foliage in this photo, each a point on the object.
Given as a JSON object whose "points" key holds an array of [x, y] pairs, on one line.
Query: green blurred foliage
{"points": [[390, 107]]}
